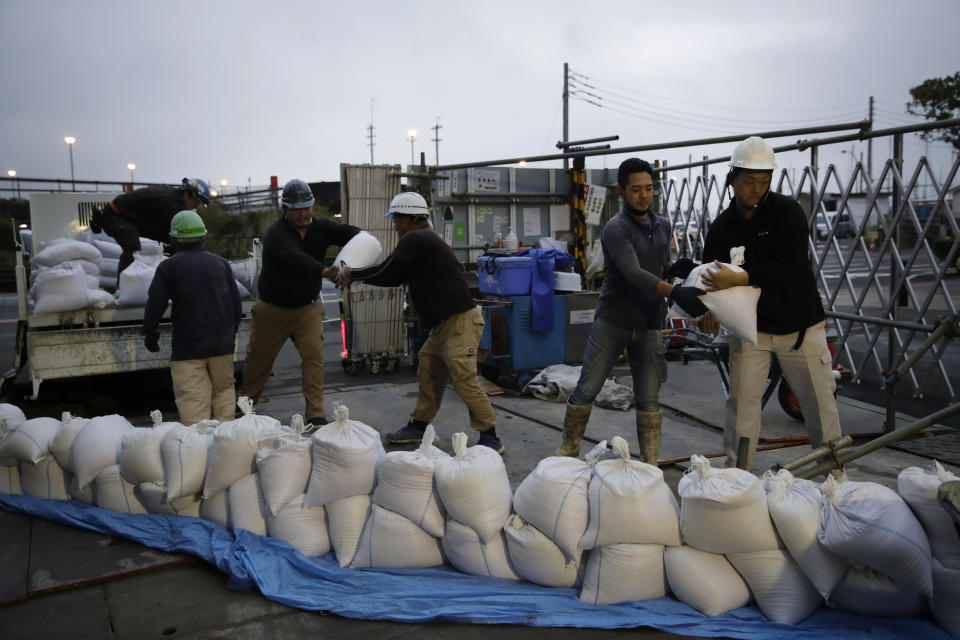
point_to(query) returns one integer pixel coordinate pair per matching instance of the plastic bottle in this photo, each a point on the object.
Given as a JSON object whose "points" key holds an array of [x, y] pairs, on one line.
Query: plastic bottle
{"points": [[510, 242]]}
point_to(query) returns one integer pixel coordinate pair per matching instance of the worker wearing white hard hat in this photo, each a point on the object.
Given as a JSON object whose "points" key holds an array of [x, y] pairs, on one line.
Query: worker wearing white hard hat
{"points": [[441, 297], [773, 232]]}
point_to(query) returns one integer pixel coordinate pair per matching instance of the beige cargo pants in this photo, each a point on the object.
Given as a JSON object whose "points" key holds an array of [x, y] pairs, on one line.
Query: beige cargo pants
{"points": [[450, 355], [271, 327], [809, 372], [204, 384]]}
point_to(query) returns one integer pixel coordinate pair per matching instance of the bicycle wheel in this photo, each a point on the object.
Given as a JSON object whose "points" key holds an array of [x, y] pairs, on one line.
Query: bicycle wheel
{"points": [[788, 401]]}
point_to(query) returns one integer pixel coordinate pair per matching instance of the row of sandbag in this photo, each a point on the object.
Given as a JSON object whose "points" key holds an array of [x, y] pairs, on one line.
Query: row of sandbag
{"points": [[857, 544], [70, 274]]}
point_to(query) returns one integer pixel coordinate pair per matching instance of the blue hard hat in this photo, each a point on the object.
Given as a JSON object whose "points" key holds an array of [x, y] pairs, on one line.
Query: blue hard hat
{"points": [[197, 188], [297, 195]]}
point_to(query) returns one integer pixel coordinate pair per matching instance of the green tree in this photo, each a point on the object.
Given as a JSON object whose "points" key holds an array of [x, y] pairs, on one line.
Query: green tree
{"points": [[938, 99]]}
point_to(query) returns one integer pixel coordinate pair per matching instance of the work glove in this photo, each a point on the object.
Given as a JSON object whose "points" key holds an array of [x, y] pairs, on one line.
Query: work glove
{"points": [[152, 341], [681, 268], [689, 300]]}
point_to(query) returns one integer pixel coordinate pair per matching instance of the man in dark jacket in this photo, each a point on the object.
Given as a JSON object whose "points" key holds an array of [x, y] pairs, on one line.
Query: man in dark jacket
{"points": [[289, 289], [147, 212], [206, 316], [439, 291], [790, 319], [630, 312]]}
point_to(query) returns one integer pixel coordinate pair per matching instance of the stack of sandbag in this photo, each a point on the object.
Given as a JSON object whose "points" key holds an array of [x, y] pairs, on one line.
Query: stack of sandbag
{"points": [[794, 505], [11, 417], [345, 454], [919, 487], [141, 464], [553, 500], [232, 471], [724, 511], [873, 529], [406, 520], [28, 445], [184, 451], [134, 282], [633, 516], [283, 463], [65, 277], [151, 253]]}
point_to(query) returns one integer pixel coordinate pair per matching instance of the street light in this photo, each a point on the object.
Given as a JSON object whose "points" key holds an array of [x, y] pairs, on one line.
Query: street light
{"points": [[13, 175], [132, 167], [413, 138], [70, 140], [223, 187]]}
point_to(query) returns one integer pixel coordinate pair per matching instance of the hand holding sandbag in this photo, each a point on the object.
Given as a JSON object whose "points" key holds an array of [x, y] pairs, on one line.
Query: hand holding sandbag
{"points": [[689, 300]]}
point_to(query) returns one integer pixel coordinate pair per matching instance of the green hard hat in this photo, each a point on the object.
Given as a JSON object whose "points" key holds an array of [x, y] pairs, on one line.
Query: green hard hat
{"points": [[186, 225]]}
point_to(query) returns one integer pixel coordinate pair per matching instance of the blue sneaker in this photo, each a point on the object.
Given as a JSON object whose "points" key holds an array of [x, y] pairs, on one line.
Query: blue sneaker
{"points": [[411, 433], [491, 440]]}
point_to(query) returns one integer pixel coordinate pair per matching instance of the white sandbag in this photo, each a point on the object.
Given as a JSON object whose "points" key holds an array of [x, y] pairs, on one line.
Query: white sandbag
{"points": [[553, 498], [115, 493], [361, 251], [794, 505], [90, 268], [918, 487], [67, 249], [97, 447], [86, 495], [345, 520], [140, 457], [108, 248], [870, 524], [152, 259], [45, 479], [624, 573], [536, 558], [151, 495], [184, 451], [70, 426], [214, 508], [724, 510], [245, 506], [946, 597], [11, 416], [783, 593], [110, 267], [45, 280], [65, 288], [10, 480], [134, 283], [705, 581], [149, 247], [556, 382], [871, 593], [467, 554], [304, 528], [630, 503], [735, 308], [234, 450], [284, 467], [345, 455], [390, 541], [30, 442], [474, 487], [405, 484]]}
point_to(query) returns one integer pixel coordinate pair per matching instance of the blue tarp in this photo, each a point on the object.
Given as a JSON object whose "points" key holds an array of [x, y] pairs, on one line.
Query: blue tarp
{"points": [[284, 575]]}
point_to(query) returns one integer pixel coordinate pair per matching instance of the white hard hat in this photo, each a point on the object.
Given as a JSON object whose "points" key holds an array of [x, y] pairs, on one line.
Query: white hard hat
{"points": [[408, 203], [753, 153]]}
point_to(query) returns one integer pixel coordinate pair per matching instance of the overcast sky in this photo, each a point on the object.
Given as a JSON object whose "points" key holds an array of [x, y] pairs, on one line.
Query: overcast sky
{"points": [[245, 90]]}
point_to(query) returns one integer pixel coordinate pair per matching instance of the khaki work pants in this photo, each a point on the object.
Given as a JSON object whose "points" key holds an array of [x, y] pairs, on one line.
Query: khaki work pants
{"points": [[272, 325], [809, 372], [199, 385], [450, 355]]}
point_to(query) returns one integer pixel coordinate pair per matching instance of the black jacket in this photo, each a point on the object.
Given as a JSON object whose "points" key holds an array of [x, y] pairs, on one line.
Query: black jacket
{"points": [[206, 304], [150, 209], [291, 274], [776, 259]]}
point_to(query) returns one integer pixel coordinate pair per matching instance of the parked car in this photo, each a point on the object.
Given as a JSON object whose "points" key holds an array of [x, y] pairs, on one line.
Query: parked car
{"points": [[844, 225]]}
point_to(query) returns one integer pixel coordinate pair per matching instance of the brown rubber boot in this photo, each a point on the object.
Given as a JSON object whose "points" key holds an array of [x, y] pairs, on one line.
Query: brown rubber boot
{"points": [[648, 435], [574, 424]]}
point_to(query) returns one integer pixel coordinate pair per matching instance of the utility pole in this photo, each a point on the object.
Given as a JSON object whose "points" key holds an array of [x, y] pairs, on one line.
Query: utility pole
{"points": [[436, 140], [370, 135], [566, 109], [870, 143]]}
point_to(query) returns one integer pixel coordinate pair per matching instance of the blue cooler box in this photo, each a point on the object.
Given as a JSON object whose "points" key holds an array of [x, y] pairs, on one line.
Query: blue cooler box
{"points": [[504, 276]]}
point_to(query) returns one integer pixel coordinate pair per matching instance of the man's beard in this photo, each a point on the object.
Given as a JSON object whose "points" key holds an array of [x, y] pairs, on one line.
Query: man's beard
{"points": [[635, 212]]}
